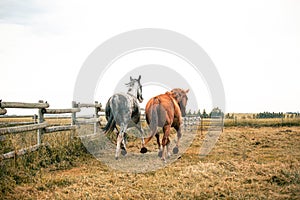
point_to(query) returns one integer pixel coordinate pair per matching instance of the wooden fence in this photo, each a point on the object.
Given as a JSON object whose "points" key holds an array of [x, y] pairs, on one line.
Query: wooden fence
{"points": [[39, 123], [195, 123]]}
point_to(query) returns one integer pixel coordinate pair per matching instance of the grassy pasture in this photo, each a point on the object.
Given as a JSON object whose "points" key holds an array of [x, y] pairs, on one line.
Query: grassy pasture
{"points": [[248, 162], [246, 120]]}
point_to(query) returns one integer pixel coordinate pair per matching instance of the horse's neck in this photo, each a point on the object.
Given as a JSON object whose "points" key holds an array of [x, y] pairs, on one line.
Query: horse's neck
{"points": [[132, 92], [173, 98], [133, 101]]}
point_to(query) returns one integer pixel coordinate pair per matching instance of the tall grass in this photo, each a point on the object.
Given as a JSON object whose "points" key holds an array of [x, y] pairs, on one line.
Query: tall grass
{"points": [[25, 168], [60, 152]]}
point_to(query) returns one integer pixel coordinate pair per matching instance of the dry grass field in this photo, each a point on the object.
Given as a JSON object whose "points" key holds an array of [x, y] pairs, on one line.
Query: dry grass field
{"points": [[248, 162]]}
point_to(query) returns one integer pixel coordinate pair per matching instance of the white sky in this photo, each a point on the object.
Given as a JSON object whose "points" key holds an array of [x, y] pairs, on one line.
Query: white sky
{"points": [[255, 46], [120, 67]]}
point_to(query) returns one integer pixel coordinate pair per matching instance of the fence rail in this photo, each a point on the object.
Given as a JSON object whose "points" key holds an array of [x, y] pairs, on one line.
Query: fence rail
{"points": [[18, 116], [24, 128], [20, 152], [62, 111], [60, 128], [23, 105]]}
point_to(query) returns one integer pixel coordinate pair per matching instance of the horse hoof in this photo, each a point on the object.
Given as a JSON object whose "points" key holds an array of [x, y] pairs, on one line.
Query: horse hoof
{"points": [[144, 150], [175, 150], [116, 158], [160, 154], [123, 152]]}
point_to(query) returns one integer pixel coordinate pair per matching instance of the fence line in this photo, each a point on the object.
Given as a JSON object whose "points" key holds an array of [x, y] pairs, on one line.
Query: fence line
{"points": [[94, 120], [39, 123]]}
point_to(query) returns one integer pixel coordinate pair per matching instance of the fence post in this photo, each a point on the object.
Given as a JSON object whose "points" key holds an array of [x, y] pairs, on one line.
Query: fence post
{"points": [[35, 118], [222, 123], [41, 120], [97, 109], [201, 125], [73, 118], [73, 121]]}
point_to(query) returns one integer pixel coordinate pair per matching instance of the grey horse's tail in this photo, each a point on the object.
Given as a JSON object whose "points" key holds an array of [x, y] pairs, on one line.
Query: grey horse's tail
{"points": [[111, 123]]}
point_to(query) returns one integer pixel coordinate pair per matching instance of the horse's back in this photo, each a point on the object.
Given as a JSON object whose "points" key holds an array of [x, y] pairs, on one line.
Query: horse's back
{"points": [[120, 108], [162, 109], [124, 108]]}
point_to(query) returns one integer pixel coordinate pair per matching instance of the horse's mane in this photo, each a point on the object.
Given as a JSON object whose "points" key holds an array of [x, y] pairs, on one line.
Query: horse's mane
{"points": [[173, 97]]}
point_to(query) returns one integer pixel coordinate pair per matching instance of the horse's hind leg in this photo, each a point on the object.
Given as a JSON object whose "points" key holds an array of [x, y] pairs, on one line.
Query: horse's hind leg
{"points": [[176, 148], [123, 148], [165, 142], [120, 139], [144, 142], [159, 145]]}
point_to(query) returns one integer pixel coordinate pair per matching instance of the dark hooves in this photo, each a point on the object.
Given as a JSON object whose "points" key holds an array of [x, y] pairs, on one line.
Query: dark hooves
{"points": [[143, 150], [116, 158], [175, 150], [123, 152], [160, 154]]}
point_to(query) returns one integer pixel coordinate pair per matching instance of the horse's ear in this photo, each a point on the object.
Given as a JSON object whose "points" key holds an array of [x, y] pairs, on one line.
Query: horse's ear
{"points": [[187, 90], [131, 78], [139, 77]]}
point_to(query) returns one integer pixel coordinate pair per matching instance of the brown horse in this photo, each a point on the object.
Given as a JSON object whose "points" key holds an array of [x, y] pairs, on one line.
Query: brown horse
{"points": [[166, 111]]}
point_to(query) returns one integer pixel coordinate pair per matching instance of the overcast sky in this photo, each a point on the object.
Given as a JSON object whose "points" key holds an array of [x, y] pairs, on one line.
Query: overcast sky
{"points": [[255, 46]]}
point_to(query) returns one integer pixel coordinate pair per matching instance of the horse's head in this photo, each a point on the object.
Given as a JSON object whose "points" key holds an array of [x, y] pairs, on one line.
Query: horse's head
{"points": [[135, 88], [181, 98]]}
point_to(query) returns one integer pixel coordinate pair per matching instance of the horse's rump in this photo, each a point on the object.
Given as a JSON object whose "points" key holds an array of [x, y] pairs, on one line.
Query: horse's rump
{"points": [[161, 110], [117, 111]]}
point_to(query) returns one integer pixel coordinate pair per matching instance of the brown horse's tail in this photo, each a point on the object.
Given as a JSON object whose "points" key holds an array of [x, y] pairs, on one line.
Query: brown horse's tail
{"points": [[153, 123], [152, 120]]}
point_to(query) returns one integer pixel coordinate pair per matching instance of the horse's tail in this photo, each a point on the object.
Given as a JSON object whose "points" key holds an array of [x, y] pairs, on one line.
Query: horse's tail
{"points": [[111, 123], [153, 122]]}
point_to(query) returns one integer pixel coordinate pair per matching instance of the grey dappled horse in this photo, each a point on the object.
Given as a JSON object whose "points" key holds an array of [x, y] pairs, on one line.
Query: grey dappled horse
{"points": [[123, 110]]}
